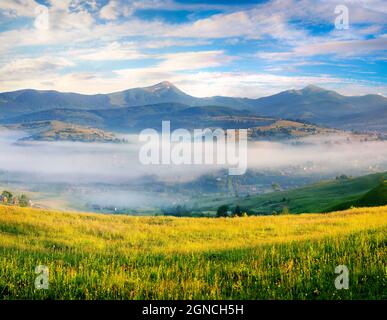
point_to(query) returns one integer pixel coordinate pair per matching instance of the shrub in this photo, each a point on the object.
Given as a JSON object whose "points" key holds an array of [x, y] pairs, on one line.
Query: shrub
{"points": [[285, 211], [23, 200], [8, 195], [237, 212], [222, 211]]}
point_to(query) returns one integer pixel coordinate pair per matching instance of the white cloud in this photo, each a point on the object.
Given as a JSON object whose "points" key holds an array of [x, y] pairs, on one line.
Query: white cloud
{"points": [[116, 8], [199, 83], [173, 63], [194, 60], [268, 19], [22, 68], [244, 84], [110, 11], [313, 12], [253, 24], [24, 8], [72, 26], [173, 42], [76, 30], [112, 51], [340, 48], [61, 18]]}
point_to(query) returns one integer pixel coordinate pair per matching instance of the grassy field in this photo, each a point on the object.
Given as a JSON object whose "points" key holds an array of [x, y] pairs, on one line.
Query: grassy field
{"points": [[93, 256], [317, 197], [375, 197]]}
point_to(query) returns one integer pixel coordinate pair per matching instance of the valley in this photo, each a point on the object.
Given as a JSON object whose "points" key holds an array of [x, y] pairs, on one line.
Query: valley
{"points": [[95, 139], [225, 153]]}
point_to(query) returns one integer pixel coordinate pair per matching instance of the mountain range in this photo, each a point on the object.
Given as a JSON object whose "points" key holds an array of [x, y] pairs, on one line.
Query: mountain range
{"points": [[138, 108]]}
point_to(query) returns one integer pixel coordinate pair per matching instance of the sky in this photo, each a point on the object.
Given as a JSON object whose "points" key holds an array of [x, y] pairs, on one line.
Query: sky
{"points": [[206, 48]]}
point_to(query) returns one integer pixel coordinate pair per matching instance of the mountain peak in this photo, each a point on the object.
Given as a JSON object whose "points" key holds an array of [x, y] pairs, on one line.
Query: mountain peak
{"points": [[164, 85]]}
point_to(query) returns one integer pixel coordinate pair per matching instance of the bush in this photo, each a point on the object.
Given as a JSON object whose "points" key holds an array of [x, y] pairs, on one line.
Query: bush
{"points": [[222, 211], [237, 212], [8, 195], [177, 211], [23, 200], [285, 211]]}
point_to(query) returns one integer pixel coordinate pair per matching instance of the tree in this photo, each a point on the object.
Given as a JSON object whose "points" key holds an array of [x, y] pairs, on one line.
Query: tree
{"points": [[177, 211], [276, 186], [8, 195], [285, 210], [342, 177], [23, 200], [237, 212], [222, 211]]}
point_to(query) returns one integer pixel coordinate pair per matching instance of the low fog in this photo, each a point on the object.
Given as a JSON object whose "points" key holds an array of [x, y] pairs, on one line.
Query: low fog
{"points": [[104, 167]]}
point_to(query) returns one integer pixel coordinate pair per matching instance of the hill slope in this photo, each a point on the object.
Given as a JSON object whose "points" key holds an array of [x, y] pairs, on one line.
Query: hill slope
{"points": [[91, 256], [61, 131], [319, 197], [373, 198]]}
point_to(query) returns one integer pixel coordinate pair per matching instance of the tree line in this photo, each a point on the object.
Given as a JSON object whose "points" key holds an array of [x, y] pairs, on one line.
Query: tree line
{"points": [[9, 198]]}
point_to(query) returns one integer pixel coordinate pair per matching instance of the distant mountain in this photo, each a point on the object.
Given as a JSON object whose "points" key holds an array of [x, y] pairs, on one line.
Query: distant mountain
{"points": [[312, 104], [28, 101], [159, 93], [130, 119], [326, 107], [22, 102], [167, 92]]}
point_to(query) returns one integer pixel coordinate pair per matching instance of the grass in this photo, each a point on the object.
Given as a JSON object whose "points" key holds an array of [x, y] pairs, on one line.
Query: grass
{"points": [[373, 198], [318, 197], [95, 256]]}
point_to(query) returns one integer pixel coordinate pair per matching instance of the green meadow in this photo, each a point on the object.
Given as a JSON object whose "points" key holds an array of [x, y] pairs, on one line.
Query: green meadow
{"points": [[96, 256]]}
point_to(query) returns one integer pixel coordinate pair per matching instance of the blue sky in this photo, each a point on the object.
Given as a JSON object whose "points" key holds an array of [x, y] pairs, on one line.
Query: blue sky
{"points": [[245, 48]]}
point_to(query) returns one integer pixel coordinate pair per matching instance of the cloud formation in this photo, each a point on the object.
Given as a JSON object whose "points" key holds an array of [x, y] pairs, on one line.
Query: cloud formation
{"points": [[168, 40]]}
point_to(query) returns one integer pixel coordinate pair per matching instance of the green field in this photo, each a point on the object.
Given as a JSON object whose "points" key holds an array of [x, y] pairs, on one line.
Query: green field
{"points": [[95, 256], [375, 197], [319, 197]]}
